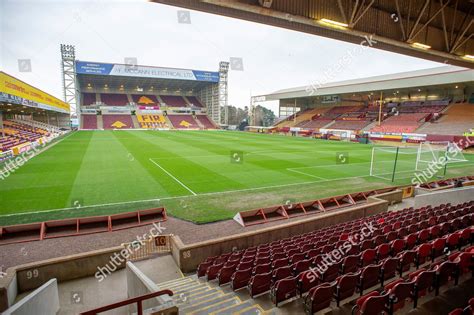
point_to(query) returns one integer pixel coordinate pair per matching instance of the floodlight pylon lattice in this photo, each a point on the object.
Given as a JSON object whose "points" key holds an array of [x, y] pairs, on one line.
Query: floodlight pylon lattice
{"points": [[68, 70], [223, 92]]}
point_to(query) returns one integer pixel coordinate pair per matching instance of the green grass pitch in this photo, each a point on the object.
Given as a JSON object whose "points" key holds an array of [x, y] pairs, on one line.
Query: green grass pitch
{"points": [[192, 173]]}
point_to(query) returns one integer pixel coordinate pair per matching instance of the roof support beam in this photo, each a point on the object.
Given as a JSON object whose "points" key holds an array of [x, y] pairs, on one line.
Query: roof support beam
{"points": [[445, 30], [362, 14], [343, 12], [420, 14], [354, 9], [431, 19], [404, 37], [460, 34]]}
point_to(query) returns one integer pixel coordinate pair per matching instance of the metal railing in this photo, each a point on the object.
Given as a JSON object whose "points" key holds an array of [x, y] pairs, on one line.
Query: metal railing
{"points": [[145, 248], [138, 300]]}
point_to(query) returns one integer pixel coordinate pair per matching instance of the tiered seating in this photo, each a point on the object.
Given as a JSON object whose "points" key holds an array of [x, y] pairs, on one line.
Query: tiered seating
{"points": [[114, 99], [7, 142], [89, 122], [117, 121], [147, 100], [426, 107], [350, 124], [457, 119], [195, 101], [19, 133], [337, 111], [401, 123], [394, 242], [205, 121], [183, 122], [152, 121], [302, 117], [174, 100], [88, 99], [316, 123]]}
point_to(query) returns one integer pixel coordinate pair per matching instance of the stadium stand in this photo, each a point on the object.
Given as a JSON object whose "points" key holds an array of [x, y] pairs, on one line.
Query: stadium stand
{"points": [[174, 100], [114, 99], [401, 123], [195, 101], [89, 122], [147, 100], [457, 119], [117, 121], [401, 253], [319, 122], [302, 116], [17, 132], [350, 124], [205, 121], [152, 121], [183, 122], [88, 99]]}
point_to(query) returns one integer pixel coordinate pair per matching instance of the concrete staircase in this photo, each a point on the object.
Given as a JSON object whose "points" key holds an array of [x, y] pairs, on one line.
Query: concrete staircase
{"points": [[136, 125], [100, 123], [199, 297]]}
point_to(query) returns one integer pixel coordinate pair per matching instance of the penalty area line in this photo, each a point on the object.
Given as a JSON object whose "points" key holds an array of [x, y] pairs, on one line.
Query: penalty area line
{"points": [[171, 175]]}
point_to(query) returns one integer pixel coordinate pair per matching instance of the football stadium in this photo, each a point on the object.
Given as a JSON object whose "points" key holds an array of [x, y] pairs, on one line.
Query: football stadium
{"points": [[137, 187]]}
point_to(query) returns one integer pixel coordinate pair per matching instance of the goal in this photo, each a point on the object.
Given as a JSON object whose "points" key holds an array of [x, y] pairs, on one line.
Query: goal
{"points": [[437, 156], [390, 163]]}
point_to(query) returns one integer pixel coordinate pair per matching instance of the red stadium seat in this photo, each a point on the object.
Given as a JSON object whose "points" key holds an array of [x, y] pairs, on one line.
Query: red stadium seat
{"points": [[346, 286], [319, 297], [241, 279], [284, 290], [281, 273], [260, 284], [389, 269], [369, 277]]}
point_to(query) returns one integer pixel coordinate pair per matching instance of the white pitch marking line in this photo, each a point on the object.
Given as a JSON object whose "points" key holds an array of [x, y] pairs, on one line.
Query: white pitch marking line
{"points": [[171, 175], [303, 173]]}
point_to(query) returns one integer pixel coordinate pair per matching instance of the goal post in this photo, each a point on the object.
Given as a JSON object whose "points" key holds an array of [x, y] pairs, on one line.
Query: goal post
{"points": [[391, 163], [427, 160]]}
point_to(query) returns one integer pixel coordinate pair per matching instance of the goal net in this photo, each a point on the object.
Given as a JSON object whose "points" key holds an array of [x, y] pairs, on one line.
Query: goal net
{"points": [[390, 163], [430, 159], [436, 156]]}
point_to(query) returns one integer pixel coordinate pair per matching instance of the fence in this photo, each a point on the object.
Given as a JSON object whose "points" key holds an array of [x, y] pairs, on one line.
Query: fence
{"points": [[145, 248]]}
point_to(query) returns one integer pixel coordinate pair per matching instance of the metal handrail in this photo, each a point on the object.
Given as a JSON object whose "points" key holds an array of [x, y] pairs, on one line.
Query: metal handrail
{"points": [[138, 300]]}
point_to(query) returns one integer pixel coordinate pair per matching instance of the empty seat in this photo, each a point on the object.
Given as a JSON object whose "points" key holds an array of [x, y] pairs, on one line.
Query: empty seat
{"points": [[346, 286], [301, 266], [396, 246], [383, 251], [225, 274], [350, 264], [281, 273], [260, 284], [437, 247], [424, 281], [423, 252], [262, 269], [445, 272], [306, 281], [369, 277], [280, 263], [399, 292], [389, 269], [283, 290], [373, 303], [368, 257], [407, 258], [213, 271], [319, 297], [241, 279]]}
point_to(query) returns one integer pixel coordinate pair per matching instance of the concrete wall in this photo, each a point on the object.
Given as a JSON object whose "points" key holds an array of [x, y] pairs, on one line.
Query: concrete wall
{"points": [[453, 196], [44, 300], [139, 284], [188, 257], [33, 275]]}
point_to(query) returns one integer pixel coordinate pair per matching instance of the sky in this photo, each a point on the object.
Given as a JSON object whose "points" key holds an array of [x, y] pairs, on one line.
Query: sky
{"points": [[110, 31]]}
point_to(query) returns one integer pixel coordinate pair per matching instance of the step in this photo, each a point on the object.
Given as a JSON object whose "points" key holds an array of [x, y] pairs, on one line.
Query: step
{"points": [[253, 310], [175, 286], [236, 309], [169, 282], [195, 298], [217, 306], [209, 302], [191, 288]]}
